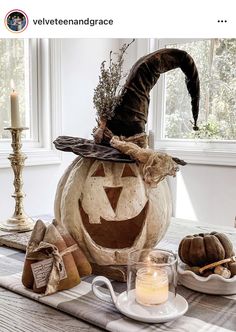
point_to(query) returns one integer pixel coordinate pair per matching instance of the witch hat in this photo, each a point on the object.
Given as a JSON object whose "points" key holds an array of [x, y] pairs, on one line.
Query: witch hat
{"points": [[130, 115]]}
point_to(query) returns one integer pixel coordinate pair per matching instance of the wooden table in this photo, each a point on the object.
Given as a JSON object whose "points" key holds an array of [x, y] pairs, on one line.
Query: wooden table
{"points": [[20, 314]]}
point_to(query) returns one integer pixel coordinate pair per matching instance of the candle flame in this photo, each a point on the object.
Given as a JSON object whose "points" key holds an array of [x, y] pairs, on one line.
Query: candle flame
{"points": [[12, 85]]}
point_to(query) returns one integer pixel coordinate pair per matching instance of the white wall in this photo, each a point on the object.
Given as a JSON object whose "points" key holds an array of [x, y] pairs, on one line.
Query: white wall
{"points": [[81, 59], [39, 185], [205, 193]]}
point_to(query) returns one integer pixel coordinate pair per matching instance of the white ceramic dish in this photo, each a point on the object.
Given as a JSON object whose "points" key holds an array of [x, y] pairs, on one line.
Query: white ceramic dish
{"points": [[214, 284], [170, 310]]}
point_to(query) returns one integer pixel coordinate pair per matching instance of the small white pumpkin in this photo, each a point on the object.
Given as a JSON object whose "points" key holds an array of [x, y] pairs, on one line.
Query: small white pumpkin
{"points": [[109, 209]]}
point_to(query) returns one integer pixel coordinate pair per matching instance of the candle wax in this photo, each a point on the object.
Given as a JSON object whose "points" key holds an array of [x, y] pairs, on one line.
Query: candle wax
{"points": [[152, 286], [15, 115]]}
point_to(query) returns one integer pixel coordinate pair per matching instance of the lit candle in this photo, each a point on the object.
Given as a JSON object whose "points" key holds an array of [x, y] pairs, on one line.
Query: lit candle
{"points": [[151, 286], [15, 115]]}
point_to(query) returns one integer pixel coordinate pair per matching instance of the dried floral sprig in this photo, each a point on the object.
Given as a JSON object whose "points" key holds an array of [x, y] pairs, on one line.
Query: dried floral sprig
{"points": [[107, 94]]}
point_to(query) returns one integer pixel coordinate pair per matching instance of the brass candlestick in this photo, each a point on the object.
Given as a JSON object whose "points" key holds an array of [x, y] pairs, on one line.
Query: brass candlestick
{"points": [[19, 221]]}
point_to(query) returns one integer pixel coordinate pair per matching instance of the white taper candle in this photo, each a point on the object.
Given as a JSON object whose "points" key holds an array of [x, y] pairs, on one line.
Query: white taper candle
{"points": [[15, 114]]}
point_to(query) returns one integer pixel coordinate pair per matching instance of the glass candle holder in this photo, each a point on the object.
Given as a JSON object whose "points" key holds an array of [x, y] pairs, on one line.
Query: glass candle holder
{"points": [[152, 276]]}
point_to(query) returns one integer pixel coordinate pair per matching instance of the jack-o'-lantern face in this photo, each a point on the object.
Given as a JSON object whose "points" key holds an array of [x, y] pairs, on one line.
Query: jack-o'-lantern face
{"points": [[109, 209], [113, 202]]}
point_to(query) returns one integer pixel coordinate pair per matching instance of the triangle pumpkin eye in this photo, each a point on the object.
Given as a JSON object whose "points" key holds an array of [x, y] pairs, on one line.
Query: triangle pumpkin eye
{"points": [[99, 171], [127, 171]]}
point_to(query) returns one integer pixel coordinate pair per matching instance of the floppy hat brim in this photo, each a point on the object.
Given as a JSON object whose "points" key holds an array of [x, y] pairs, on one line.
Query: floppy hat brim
{"points": [[88, 149]]}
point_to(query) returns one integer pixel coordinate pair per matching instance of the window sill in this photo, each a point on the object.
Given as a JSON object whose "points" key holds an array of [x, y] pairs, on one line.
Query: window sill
{"points": [[35, 157], [200, 153]]}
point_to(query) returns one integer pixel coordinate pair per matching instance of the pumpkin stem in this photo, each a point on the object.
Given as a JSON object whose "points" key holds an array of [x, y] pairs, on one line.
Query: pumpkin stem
{"points": [[223, 261], [99, 132]]}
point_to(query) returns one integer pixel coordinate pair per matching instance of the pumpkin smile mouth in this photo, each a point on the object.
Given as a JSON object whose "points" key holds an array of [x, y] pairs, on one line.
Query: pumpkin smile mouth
{"points": [[115, 234]]}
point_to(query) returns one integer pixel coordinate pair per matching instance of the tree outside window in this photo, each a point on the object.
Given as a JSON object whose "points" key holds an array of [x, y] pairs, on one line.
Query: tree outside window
{"points": [[216, 63], [14, 64]]}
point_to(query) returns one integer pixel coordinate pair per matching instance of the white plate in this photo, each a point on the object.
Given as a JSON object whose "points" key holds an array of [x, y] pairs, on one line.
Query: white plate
{"points": [[213, 284], [127, 305], [162, 313]]}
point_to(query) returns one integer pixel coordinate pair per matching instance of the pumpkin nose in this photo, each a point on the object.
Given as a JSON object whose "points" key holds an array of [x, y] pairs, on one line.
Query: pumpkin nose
{"points": [[113, 194]]}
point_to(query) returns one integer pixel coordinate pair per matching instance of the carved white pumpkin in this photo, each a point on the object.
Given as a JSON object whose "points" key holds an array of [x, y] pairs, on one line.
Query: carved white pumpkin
{"points": [[109, 209]]}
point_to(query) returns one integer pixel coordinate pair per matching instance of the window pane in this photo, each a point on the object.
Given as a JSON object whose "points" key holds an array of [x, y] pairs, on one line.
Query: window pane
{"points": [[216, 63], [14, 64]]}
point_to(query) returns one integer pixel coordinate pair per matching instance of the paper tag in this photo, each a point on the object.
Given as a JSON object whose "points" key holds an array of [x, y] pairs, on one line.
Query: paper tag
{"points": [[41, 271]]}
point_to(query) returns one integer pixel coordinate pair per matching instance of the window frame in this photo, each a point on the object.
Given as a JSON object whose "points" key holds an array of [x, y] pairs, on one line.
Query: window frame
{"points": [[45, 105], [208, 152]]}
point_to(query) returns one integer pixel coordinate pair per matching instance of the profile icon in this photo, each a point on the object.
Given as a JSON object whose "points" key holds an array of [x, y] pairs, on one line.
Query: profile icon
{"points": [[16, 20]]}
